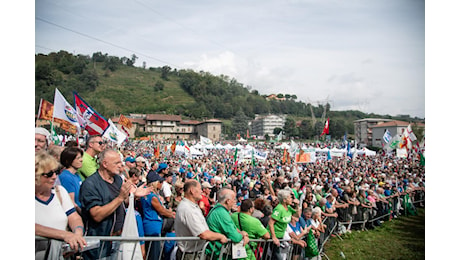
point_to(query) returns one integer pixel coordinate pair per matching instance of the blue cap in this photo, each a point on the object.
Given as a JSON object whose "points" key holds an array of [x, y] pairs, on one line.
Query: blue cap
{"points": [[162, 166], [130, 159]]}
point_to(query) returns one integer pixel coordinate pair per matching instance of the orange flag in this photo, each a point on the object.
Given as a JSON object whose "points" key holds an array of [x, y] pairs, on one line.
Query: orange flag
{"points": [[173, 148], [46, 110], [124, 121], [157, 151]]}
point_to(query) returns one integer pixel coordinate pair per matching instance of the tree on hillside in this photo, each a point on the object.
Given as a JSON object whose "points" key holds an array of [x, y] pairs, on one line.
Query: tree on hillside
{"points": [[164, 72], [306, 129], [277, 130], [111, 63], [99, 57], [290, 128], [239, 123]]}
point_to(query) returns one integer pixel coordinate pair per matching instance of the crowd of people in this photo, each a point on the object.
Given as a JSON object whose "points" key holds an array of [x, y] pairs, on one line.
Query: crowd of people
{"points": [[211, 197]]}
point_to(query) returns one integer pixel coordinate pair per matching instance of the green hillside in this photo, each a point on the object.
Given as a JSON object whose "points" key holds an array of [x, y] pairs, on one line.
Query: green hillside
{"points": [[113, 85]]}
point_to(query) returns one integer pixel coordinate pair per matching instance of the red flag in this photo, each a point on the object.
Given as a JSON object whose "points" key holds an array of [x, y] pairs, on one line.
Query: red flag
{"points": [[89, 119], [126, 131], [326, 128]]}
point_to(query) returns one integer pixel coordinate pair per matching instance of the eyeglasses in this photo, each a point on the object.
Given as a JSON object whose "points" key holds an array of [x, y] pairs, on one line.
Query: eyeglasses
{"points": [[51, 173], [100, 142]]}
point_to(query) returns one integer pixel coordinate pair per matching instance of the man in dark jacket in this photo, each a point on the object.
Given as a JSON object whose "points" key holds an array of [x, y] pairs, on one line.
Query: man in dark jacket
{"points": [[103, 196]]}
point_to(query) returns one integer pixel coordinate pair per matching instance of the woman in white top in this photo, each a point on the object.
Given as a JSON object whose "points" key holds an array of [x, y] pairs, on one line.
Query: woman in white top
{"points": [[54, 209], [317, 225]]}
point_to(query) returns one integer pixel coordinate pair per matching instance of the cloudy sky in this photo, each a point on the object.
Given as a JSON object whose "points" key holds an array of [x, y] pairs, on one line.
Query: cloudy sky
{"points": [[357, 54]]}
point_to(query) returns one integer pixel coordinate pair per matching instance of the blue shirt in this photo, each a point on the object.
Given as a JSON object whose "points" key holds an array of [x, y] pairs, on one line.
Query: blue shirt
{"points": [[152, 220], [71, 182]]}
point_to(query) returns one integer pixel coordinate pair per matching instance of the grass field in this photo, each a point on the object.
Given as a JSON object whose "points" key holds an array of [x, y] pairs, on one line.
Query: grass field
{"points": [[401, 238]]}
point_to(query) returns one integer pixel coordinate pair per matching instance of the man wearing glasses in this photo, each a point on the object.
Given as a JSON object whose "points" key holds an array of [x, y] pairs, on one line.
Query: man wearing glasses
{"points": [[94, 145]]}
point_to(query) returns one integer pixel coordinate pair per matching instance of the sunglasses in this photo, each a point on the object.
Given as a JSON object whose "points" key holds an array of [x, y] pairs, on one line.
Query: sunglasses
{"points": [[51, 173]]}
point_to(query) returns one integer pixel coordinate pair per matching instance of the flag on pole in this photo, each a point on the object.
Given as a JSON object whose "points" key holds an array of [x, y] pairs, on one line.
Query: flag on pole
{"points": [[349, 154], [284, 156], [113, 134], [235, 156], [326, 128], [89, 118], [124, 121], [386, 136], [205, 140], [410, 136], [63, 110], [45, 110], [173, 148], [294, 147], [157, 151]]}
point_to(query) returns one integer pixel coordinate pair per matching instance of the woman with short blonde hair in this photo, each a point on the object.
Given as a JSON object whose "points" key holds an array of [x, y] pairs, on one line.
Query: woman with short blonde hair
{"points": [[54, 209]]}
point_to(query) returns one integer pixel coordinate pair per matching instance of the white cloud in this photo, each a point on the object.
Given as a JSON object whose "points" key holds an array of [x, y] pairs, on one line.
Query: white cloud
{"points": [[360, 54]]}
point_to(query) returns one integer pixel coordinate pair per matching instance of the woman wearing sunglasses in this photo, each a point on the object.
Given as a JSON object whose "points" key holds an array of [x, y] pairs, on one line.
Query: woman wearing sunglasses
{"points": [[54, 209]]}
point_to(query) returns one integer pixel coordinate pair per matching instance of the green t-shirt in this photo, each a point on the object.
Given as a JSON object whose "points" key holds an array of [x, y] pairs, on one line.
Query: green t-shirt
{"points": [[253, 227], [219, 221], [282, 217], [296, 194], [88, 167]]}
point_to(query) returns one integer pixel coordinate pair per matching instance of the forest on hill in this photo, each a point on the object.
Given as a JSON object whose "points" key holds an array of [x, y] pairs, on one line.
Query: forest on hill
{"points": [[113, 86]]}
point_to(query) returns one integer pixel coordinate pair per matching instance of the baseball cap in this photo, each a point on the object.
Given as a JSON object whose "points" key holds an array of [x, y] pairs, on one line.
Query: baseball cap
{"points": [[153, 177], [206, 185], [130, 159], [162, 166]]}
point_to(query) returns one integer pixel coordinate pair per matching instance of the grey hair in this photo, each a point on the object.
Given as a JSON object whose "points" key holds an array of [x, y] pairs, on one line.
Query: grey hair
{"points": [[101, 156], [283, 194], [316, 210], [224, 194]]}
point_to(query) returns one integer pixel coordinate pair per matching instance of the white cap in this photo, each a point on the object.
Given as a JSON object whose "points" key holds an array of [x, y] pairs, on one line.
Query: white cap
{"points": [[42, 131]]}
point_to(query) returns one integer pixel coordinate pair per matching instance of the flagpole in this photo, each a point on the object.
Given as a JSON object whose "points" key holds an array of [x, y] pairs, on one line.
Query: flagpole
{"points": [[39, 110]]}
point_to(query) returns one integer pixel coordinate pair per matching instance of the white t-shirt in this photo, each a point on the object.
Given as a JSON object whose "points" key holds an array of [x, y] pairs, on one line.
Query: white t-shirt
{"points": [[166, 189], [51, 213]]}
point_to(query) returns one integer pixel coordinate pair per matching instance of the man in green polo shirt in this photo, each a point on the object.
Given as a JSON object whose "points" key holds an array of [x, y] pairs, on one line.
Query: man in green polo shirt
{"points": [[219, 221], [94, 145], [246, 222]]}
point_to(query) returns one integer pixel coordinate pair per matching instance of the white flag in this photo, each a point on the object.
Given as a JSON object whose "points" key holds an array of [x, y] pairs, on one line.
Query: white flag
{"points": [[387, 136], [63, 110], [412, 136], [205, 140], [114, 134], [294, 147]]}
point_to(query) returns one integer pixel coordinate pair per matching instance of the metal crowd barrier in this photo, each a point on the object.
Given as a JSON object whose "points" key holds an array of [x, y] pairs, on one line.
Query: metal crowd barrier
{"points": [[261, 247]]}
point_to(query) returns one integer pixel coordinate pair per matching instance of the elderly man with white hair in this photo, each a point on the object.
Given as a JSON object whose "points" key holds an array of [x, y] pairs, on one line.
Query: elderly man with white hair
{"points": [[41, 139]]}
